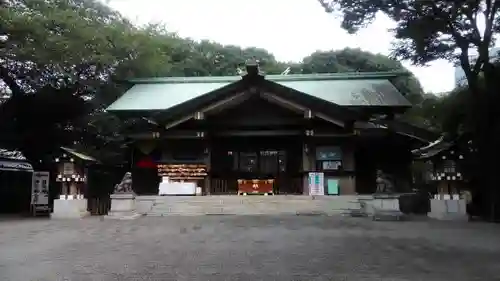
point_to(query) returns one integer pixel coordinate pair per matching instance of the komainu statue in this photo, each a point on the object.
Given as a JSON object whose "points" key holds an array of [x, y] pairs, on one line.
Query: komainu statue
{"points": [[384, 184], [125, 186]]}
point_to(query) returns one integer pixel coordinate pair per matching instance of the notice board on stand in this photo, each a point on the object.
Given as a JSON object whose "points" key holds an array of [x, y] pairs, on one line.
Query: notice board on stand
{"points": [[316, 184], [40, 192]]}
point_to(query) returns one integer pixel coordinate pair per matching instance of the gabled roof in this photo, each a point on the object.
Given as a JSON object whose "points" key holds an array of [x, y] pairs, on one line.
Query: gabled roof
{"points": [[345, 89], [11, 154], [79, 155], [433, 149], [410, 130], [14, 161], [401, 128]]}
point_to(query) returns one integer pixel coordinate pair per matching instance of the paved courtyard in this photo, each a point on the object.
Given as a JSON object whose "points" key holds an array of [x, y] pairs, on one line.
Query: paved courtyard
{"points": [[247, 248]]}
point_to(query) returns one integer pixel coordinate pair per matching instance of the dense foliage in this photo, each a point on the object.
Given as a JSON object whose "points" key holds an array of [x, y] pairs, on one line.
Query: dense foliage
{"points": [[59, 60], [451, 30]]}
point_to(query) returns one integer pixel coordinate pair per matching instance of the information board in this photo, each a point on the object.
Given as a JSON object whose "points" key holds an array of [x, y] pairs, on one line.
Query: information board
{"points": [[40, 189], [316, 184], [333, 186]]}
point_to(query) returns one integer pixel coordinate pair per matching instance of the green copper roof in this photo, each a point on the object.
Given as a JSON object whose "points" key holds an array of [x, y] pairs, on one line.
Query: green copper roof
{"points": [[158, 96], [362, 92], [291, 77], [348, 89]]}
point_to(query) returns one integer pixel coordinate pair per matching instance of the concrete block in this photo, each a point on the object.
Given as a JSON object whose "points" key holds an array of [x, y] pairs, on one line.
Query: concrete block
{"points": [[448, 209], [70, 209]]}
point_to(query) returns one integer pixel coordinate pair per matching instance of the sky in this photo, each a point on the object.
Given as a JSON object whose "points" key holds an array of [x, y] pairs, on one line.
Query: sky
{"points": [[289, 29]]}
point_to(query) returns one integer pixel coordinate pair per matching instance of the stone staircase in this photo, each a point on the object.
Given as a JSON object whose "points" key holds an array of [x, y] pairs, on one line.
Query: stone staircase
{"points": [[245, 205]]}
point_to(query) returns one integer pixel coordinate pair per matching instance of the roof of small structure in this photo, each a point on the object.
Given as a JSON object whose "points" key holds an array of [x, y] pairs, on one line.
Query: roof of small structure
{"points": [[359, 89], [11, 160], [433, 149], [11, 155], [79, 155], [408, 129]]}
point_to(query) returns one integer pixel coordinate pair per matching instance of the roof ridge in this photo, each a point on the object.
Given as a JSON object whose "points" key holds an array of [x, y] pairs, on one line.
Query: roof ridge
{"points": [[272, 77]]}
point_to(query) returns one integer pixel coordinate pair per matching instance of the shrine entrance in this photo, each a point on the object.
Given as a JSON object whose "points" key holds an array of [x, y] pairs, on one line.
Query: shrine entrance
{"points": [[272, 160]]}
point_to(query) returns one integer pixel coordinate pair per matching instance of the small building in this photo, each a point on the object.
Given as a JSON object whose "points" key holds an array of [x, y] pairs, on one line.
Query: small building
{"points": [[443, 165], [223, 132], [71, 172], [16, 176]]}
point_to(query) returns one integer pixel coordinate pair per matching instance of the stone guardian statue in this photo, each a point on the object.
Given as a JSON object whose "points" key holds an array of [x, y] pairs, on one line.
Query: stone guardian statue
{"points": [[125, 186], [384, 185]]}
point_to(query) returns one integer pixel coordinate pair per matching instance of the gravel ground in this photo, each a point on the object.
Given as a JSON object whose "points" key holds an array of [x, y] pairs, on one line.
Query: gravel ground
{"points": [[247, 248]]}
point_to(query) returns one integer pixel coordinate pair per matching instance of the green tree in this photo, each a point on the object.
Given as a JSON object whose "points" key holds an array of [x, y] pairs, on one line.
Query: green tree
{"points": [[54, 57], [430, 30], [79, 48], [349, 60]]}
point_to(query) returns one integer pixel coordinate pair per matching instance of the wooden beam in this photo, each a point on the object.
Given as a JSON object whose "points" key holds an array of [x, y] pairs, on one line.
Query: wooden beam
{"points": [[255, 133], [331, 120], [217, 105], [283, 103], [179, 121], [338, 135], [299, 108], [150, 121]]}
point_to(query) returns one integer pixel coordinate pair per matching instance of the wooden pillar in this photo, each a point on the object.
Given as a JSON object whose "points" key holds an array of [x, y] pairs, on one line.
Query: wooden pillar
{"points": [[348, 183], [308, 159], [208, 163], [204, 134]]}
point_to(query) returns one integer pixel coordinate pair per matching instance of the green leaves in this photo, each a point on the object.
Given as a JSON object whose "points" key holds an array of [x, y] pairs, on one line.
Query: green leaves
{"points": [[349, 60], [425, 30]]}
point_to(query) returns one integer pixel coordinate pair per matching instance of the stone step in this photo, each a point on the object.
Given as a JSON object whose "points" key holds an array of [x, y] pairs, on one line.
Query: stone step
{"points": [[241, 205]]}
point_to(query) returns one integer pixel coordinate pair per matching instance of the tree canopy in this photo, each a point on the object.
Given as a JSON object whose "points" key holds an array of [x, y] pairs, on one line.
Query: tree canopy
{"points": [[356, 60], [59, 60], [451, 30]]}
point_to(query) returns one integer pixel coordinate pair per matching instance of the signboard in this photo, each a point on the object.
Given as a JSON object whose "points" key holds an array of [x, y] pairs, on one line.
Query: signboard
{"points": [[40, 189], [328, 153], [182, 172], [316, 184], [333, 186], [331, 165], [68, 169]]}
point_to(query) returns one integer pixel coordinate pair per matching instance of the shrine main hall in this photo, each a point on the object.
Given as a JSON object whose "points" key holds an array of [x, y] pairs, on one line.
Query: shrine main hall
{"points": [[260, 133]]}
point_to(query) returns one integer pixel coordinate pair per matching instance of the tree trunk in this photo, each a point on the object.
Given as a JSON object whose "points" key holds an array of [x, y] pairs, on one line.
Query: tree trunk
{"points": [[487, 137]]}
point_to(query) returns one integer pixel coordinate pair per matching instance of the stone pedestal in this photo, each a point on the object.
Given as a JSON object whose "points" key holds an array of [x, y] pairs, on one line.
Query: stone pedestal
{"points": [[452, 209], [69, 209], [382, 207], [123, 207]]}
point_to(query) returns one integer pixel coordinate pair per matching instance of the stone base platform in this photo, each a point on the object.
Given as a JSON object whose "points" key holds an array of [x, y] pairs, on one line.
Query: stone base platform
{"points": [[448, 210], [70, 209], [123, 207]]}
